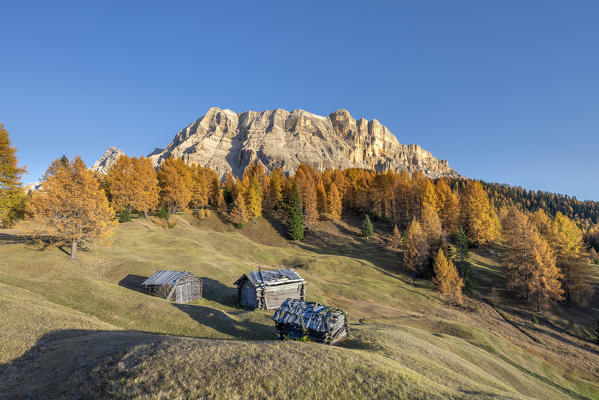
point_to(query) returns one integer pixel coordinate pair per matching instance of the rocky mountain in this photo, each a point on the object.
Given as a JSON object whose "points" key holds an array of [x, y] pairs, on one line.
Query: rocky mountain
{"points": [[227, 141], [105, 162]]}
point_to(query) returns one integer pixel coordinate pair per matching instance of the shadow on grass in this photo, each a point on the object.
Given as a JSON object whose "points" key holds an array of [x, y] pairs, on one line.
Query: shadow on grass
{"points": [[14, 238], [133, 282], [214, 290], [71, 357], [222, 322]]}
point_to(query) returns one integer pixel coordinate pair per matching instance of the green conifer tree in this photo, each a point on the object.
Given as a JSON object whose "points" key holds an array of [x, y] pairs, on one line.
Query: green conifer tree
{"points": [[295, 221], [367, 228]]}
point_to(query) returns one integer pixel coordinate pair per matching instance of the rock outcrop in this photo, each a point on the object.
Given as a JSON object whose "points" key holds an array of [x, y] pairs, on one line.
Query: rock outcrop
{"points": [[107, 160], [226, 141]]}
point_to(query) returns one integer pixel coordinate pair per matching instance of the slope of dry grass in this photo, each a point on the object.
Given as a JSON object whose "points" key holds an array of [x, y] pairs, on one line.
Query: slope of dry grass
{"points": [[86, 323]]}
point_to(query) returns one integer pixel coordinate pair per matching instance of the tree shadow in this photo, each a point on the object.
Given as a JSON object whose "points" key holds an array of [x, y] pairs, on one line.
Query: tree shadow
{"points": [[213, 290], [133, 282], [14, 238], [221, 322]]}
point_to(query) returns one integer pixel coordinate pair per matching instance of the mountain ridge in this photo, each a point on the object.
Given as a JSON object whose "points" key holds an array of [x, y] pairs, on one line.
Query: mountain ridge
{"points": [[228, 142]]}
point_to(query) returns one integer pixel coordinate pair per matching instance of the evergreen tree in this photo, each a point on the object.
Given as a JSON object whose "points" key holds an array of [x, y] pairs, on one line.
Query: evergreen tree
{"points": [[70, 208], [447, 279], [239, 213], [295, 222], [367, 228], [464, 267], [12, 196], [462, 245]]}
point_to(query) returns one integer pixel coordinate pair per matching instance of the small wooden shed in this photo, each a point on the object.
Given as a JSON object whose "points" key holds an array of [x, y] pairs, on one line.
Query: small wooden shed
{"points": [[297, 318], [267, 290], [176, 286]]}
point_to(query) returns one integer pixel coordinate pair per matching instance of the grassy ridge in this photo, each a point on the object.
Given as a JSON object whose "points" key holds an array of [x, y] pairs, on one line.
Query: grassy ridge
{"points": [[86, 323]]}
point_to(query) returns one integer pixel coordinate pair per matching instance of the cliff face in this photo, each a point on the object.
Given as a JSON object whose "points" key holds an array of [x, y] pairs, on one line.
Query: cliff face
{"points": [[226, 141]]}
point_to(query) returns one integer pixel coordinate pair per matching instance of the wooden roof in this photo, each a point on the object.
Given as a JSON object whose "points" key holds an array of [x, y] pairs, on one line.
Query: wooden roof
{"points": [[165, 277], [309, 315], [268, 278]]}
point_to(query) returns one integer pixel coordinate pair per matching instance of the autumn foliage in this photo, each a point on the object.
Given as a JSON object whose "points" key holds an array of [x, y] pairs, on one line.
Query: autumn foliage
{"points": [[12, 197], [133, 184], [70, 208]]}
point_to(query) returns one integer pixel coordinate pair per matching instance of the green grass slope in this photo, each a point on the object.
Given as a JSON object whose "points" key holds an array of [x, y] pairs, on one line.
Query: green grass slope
{"points": [[85, 323]]}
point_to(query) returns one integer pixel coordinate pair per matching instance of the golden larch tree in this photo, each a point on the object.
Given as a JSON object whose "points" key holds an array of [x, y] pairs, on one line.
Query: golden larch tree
{"points": [[428, 194], [238, 214], [565, 237], [132, 183], [546, 278], [447, 278], [416, 248], [530, 262], [307, 191], [70, 208], [254, 198], [431, 225], [12, 196], [335, 205], [478, 218], [321, 198], [449, 207], [175, 180], [274, 197]]}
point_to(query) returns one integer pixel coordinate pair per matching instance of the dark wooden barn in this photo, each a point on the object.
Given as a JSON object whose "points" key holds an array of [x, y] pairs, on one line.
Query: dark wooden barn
{"points": [[175, 286], [296, 319], [269, 289]]}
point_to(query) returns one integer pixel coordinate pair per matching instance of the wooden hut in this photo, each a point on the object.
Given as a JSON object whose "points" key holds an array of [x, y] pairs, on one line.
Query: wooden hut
{"points": [[176, 286], [297, 319], [269, 289]]}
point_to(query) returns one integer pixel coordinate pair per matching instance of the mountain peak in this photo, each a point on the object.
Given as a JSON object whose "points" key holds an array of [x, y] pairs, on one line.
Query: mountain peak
{"points": [[107, 160]]}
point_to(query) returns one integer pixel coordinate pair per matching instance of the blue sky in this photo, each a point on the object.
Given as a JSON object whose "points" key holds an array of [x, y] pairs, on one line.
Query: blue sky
{"points": [[506, 91]]}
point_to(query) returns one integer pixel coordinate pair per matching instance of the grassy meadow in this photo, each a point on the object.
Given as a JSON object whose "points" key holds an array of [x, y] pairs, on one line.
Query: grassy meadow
{"points": [[86, 324]]}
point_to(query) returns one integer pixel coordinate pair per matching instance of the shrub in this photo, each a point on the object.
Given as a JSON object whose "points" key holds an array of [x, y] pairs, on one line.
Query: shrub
{"points": [[162, 213], [165, 223], [125, 215], [535, 320]]}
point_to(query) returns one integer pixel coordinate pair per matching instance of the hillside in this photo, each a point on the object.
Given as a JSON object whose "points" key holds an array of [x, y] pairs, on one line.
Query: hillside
{"points": [[85, 324]]}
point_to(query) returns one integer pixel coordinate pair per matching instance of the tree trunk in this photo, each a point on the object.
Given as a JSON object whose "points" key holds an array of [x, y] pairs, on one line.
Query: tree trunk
{"points": [[74, 249], [414, 277], [539, 301], [145, 213]]}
